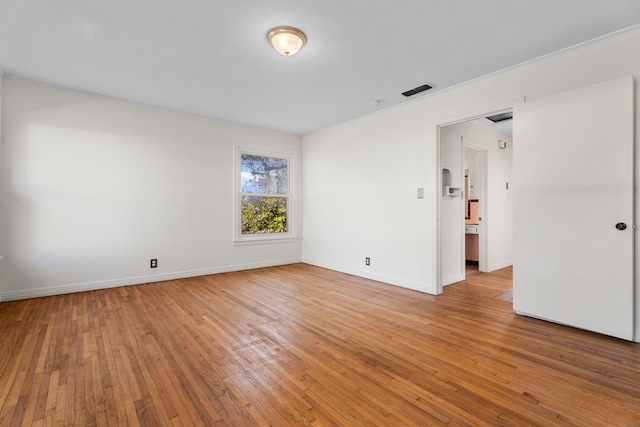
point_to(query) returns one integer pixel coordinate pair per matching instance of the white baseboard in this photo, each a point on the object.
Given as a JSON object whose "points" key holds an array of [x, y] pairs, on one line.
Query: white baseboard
{"points": [[452, 279], [92, 286], [391, 280], [500, 265]]}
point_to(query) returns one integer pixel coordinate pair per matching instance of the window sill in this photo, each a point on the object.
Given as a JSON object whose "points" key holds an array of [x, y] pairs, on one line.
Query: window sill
{"points": [[263, 240]]}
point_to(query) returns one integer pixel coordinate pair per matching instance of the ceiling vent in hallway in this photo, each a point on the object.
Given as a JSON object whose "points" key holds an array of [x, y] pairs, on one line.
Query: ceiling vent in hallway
{"points": [[501, 117], [416, 90]]}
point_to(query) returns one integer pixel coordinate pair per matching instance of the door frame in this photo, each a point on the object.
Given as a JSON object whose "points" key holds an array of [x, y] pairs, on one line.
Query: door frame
{"points": [[439, 124]]}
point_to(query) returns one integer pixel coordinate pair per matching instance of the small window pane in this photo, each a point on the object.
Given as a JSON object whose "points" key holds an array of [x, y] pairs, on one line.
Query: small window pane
{"points": [[260, 174], [262, 214]]}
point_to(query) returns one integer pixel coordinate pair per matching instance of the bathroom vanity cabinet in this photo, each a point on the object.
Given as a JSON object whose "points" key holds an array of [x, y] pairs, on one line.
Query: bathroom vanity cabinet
{"points": [[472, 225]]}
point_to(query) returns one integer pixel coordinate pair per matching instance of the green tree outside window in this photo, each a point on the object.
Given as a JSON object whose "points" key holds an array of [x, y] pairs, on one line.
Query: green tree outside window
{"points": [[264, 185]]}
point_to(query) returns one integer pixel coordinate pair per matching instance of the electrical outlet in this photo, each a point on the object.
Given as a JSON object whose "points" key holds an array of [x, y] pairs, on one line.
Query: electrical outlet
{"points": [[154, 263], [367, 261]]}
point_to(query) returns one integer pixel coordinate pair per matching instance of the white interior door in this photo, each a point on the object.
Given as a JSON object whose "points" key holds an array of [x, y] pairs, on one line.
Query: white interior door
{"points": [[573, 182]]}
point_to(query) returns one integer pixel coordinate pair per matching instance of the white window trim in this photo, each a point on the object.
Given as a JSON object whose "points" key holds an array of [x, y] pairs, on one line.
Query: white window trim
{"points": [[240, 239]]}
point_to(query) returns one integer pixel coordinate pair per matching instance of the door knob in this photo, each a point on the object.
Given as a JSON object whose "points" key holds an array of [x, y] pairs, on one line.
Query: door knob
{"points": [[621, 226]]}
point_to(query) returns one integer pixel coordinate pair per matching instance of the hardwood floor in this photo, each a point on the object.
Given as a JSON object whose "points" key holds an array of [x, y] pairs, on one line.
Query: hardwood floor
{"points": [[300, 345]]}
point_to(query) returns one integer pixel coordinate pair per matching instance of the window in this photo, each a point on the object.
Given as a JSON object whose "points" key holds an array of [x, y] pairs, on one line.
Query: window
{"points": [[264, 196]]}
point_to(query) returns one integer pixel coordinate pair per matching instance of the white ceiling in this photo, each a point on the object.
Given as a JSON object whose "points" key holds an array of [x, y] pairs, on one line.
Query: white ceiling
{"points": [[211, 57]]}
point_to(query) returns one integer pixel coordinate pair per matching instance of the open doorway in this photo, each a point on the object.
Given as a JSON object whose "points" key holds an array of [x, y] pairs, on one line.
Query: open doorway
{"points": [[474, 165], [476, 221]]}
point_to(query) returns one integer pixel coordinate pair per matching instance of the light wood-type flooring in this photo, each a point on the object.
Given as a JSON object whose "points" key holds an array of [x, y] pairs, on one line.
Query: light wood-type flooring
{"points": [[299, 345]]}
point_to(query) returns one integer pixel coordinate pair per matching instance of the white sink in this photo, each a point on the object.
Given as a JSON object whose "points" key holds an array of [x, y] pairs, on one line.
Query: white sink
{"points": [[471, 229]]}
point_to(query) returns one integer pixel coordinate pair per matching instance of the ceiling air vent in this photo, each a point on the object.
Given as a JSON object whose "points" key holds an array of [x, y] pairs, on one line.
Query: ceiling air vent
{"points": [[501, 117], [416, 90]]}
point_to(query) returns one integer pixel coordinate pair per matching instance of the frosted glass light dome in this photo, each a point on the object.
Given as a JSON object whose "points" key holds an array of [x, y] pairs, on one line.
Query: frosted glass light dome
{"points": [[287, 40]]}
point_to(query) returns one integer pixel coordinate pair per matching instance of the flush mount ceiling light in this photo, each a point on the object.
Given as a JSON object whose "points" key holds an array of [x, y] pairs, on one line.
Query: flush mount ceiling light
{"points": [[287, 40]]}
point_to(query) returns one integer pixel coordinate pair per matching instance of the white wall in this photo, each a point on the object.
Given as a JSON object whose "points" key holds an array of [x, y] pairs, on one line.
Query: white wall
{"points": [[472, 162], [360, 177], [93, 188], [451, 209], [362, 180], [3, 240]]}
